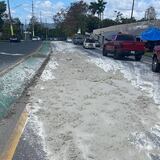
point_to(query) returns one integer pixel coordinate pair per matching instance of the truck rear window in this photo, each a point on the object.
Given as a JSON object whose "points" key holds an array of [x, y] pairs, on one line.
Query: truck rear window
{"points": [[125, 38]]}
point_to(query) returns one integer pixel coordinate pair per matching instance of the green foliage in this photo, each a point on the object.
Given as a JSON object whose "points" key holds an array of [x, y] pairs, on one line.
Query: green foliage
{"points": [[93, 8], [92, 23], [98, 8], [108, 23], [72, 19], [2, 11], [81, 16], [127, 20], [17, 27], [39, 29]]}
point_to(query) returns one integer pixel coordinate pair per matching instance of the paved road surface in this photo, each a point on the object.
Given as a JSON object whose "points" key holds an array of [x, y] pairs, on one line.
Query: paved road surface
{"points": [[11, 53]]}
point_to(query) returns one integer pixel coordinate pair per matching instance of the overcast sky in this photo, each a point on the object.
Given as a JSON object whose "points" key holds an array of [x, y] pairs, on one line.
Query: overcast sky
{"points": [[22, 8]]}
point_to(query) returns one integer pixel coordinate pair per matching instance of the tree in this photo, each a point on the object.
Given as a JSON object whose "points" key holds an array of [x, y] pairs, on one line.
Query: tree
{"points": [[17, 26], [119, 17], [39, 29], [73, 19], [98, 8], [108, 23], [92, 23], [127, 20], [93, 7], [2, 13], [59, 17], [101, 8]]}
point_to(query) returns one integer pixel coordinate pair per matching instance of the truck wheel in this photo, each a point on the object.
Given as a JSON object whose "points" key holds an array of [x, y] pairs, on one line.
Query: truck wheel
{"points": [[138, 57], [155, 64], [116, 55], [104, 52]]}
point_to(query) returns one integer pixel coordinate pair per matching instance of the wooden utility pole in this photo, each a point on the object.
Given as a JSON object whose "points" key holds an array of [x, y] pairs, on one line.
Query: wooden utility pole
{"points": [[10, 18], [25, 32], [132, 9]]}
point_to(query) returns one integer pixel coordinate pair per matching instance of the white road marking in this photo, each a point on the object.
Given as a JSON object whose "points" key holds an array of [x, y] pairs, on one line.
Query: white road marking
{"points": [[10, 54]]}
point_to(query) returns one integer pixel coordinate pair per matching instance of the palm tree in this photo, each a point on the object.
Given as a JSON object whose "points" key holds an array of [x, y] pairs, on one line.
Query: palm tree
{"points": [[93, 7], [132, 9], [98, 7], [101, 7]]}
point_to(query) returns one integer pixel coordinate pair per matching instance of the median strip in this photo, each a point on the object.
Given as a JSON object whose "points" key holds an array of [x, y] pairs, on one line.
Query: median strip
{"points": [[13, 83]]}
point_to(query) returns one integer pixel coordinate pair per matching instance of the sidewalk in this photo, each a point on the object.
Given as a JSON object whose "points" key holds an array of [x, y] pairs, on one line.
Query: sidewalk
{"points": [[78, 111]]}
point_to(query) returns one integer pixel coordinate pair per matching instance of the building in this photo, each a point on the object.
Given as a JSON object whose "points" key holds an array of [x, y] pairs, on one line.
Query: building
{"points": [[132, 28]]}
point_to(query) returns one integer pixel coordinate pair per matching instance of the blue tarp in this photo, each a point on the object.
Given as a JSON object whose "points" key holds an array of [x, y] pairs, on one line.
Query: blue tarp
{"points": [[151, 34]]}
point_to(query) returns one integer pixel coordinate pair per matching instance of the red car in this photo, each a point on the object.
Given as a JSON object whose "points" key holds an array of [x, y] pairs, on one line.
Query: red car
{"points": [[123, 45], [156, 59]]}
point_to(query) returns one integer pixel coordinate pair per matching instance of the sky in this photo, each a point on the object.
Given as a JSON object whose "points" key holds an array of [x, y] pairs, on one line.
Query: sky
{"points": [[22, 8]]}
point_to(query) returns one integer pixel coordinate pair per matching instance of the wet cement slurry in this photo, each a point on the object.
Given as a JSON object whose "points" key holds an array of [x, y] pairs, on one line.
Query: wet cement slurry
{"points": [[141, 109]]}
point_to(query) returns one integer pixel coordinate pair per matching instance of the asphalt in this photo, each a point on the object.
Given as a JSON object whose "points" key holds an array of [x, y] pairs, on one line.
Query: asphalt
{"points": [[11, 53], [29, 147]]}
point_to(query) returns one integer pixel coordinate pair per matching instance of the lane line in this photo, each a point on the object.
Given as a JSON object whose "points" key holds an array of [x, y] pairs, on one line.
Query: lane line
{"points": [[10, 54], [15, 137]]}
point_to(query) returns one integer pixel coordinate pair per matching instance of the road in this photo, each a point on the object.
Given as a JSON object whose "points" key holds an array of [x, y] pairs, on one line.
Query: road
{"points": [[10, 53], [86, 106], [145, 59]]}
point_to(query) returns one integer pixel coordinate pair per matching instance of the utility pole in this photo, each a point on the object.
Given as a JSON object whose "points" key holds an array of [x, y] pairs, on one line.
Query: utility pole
{"points": [[46, 30], [33, 19], [10, 18], [25, 30], [41, 24], [132, 9], [40, 17]]}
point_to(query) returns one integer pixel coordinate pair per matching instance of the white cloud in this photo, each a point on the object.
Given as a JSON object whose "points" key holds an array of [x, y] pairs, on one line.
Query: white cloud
{"points": [[47, 8], [125, 6]]}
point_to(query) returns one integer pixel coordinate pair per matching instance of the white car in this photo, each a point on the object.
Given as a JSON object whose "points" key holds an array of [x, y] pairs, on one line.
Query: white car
{"points": [[89, 43], [36, 38], [69, 40]]}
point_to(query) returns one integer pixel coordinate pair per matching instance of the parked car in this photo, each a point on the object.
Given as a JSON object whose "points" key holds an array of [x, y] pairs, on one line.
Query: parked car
{"points": [[156, 59], [89, 43], [97, 43], [122, 45], [14, 38], [36, 38], [78, 39], [69, 40]]}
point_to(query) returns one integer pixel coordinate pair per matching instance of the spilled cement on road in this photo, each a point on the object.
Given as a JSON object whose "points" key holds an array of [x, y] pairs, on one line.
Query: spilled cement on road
{"points": [[86, 113], [141, 76]]}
